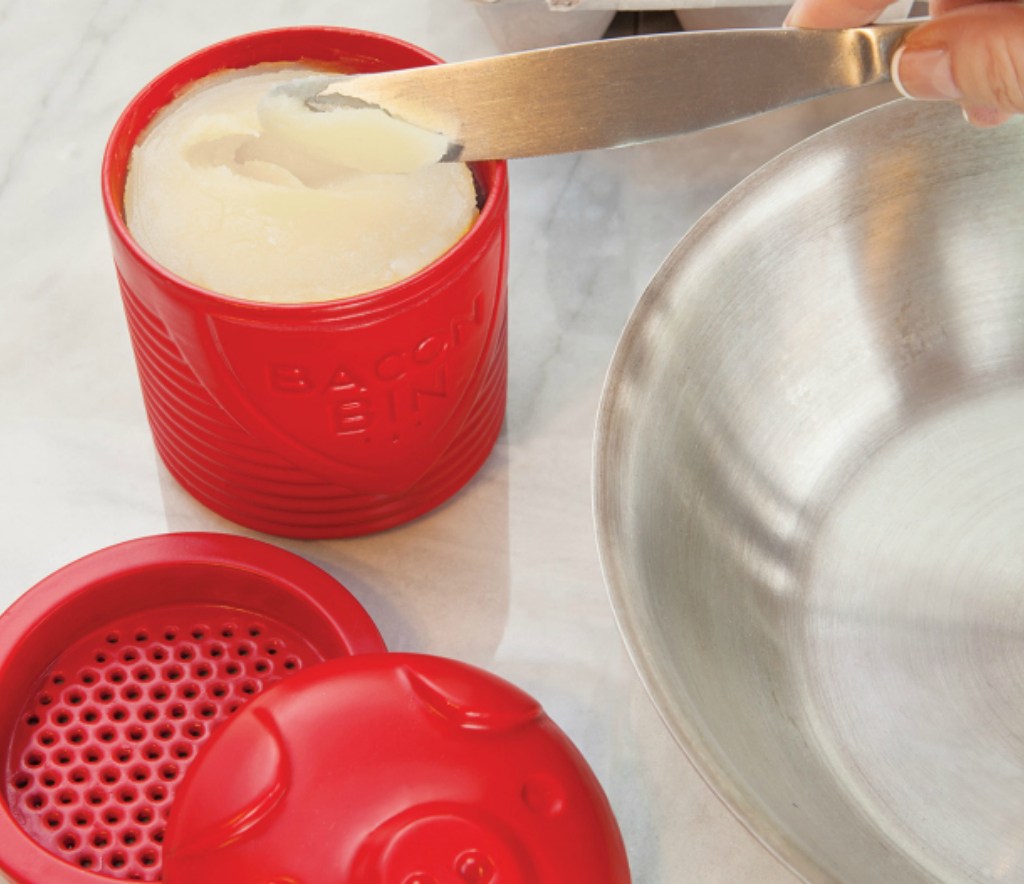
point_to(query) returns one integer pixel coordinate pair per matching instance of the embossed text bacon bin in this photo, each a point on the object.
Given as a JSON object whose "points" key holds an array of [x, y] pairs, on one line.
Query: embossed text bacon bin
{"points": [[322, 351]]}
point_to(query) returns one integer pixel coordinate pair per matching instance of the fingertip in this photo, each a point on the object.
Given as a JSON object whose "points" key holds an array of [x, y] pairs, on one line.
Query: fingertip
{"points": [[925, 73], [830, 14], [971, 55], [794, 18], [985, 117]]}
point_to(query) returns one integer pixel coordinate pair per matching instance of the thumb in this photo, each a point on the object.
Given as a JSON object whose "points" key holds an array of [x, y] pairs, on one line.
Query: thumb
{"points": [[973, 55]]}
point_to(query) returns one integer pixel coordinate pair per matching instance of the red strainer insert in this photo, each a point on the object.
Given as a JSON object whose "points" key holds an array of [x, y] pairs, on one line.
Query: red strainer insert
{"points": [[100, 737], [108, 733]]}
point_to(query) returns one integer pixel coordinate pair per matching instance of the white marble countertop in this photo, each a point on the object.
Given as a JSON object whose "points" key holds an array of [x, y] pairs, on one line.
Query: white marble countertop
{"points": [[506, 575]]}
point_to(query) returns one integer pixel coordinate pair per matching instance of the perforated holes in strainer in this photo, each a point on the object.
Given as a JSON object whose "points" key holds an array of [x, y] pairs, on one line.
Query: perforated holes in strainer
{"points": [[109, 732]]}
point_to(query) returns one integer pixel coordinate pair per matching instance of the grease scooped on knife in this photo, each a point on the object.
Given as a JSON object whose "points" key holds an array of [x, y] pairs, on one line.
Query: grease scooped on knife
{"points": [[315, 116]]}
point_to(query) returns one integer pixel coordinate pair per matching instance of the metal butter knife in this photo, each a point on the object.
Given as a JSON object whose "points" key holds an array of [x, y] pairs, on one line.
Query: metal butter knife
{"points": [[615, 92]]}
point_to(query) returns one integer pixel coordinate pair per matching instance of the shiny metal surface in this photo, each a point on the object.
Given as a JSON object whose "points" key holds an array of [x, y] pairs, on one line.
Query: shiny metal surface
{"points": [[610, 93], [809, 490]]}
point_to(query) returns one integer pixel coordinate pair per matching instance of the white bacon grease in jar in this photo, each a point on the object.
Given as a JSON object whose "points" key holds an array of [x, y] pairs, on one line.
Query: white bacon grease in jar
{"points": [[221, 199]]}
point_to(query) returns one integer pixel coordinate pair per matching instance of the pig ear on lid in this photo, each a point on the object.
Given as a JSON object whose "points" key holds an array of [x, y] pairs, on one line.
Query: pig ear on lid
{"points": [[469, 698]]}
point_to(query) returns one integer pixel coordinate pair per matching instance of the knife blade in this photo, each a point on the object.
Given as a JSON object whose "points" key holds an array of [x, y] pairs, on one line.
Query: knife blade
{"points": [[616, 92]]}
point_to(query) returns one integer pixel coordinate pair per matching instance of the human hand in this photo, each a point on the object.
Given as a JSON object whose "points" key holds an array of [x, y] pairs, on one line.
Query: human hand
{"points": [[970, 52]]}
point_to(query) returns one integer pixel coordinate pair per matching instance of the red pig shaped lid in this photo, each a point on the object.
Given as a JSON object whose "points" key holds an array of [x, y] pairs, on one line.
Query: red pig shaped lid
{"points": [[392, 769]]}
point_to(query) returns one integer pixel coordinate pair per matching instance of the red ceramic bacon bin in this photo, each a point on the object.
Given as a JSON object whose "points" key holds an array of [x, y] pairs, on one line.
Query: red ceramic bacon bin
{"points": [[117, 669], [329, 419]]}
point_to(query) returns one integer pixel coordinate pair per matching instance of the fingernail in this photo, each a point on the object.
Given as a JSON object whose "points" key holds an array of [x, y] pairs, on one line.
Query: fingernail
{"points": [[925, 74], [985, 117], [793, 15]]}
